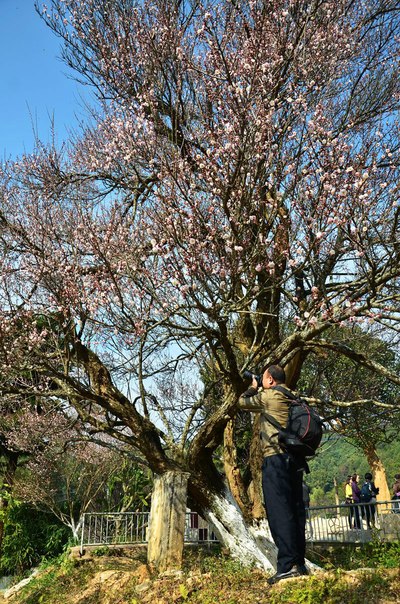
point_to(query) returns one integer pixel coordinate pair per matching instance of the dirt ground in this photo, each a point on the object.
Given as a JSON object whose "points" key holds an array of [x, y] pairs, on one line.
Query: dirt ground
{"points": [[122, 577]]}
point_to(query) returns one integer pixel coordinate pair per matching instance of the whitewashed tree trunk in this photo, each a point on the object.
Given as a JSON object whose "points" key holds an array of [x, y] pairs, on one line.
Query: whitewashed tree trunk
{"points": [[167, 521], [249, 543], [76, 528]]}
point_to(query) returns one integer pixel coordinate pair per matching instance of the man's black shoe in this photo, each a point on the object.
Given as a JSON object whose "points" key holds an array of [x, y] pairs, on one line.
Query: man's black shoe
{"points": [[293, 572], [302, 569]]}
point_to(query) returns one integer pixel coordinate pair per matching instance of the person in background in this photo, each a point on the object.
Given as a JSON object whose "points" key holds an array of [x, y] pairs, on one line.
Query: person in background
{"points": [[368, 495], [348, 493], [355, 491], [396, 494]]}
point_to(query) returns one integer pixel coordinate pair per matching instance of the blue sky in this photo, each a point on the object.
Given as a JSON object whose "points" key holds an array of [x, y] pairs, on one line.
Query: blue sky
{"points": [[34, 82]]}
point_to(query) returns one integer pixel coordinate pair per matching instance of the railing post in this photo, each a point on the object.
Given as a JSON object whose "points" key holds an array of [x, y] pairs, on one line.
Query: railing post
{"points": [[82, 534]]}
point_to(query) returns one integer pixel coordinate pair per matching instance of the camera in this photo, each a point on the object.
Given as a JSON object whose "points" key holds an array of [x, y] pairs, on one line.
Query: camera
{"points": [[249, 375]]}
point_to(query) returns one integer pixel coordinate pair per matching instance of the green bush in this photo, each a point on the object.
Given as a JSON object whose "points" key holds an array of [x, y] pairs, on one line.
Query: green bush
{"points": [[333, 588], [29, 537], [375, 554], [385, 555]]}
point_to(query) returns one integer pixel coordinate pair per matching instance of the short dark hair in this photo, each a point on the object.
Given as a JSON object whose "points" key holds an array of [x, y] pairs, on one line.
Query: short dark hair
{"points": [[368, 476], [277, 373]]}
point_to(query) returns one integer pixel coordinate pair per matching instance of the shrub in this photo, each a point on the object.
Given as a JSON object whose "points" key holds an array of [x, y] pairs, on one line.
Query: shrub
{"points": [[29, 537]]}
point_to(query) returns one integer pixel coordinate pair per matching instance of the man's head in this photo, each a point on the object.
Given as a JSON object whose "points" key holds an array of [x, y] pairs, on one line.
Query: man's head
{"points": [[368, 476], [272, 376]]}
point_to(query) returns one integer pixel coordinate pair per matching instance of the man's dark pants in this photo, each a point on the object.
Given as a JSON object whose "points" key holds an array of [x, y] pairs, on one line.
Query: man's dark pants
{"points": [[283, 498]]}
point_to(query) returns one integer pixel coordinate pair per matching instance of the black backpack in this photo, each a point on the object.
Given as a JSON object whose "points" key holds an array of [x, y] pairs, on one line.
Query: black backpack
{"points": [[303, 432], [366, 492]]}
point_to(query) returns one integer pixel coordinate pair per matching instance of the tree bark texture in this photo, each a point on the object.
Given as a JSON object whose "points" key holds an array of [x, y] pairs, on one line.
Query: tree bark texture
{"points": [[379, 473], [232, 471], [256, 460], [249, 542], [167, 521]]}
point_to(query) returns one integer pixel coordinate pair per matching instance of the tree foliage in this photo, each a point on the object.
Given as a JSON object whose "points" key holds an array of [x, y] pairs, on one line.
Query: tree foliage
{"points": [[68, 479], [331, 378]]}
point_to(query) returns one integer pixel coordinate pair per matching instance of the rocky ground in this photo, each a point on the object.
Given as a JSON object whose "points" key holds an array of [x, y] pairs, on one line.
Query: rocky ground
{"points": [[122, 577]]}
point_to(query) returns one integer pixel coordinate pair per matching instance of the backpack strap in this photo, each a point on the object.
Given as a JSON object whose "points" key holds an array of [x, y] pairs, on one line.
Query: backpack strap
{"points": [[286, 392], [272, 421], [293, 397], [269, 417]]}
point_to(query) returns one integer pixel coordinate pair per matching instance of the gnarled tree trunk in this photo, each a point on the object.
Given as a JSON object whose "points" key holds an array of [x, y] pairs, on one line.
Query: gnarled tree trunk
{"points": [[256, 460], [232, 470]]}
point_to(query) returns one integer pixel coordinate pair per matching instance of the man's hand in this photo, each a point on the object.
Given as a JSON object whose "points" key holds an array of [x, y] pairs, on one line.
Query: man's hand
{"points": [[254, 383]]}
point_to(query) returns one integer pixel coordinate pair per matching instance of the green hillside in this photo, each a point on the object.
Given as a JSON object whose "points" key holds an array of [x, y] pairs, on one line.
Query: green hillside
{"points": [[337, 458]]}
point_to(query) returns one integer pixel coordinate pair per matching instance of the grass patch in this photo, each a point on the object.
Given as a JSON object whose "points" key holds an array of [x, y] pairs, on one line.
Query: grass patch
{"points": [[56, 582], [370, 555], [66, 579], [367, 586]]}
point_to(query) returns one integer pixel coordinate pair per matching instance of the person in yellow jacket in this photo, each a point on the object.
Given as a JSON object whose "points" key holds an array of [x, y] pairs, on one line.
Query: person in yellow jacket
{"points": [[348, 492]]}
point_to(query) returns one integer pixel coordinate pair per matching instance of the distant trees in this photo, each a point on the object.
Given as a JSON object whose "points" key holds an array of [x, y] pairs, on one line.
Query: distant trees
{"points": [[68, 479], [375, 418], [27, 427], [341, 458], [51, 462], [234, 197]]}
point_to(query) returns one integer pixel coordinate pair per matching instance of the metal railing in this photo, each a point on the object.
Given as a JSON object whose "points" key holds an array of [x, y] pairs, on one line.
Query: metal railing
{"points": [[355, 523], [352, 523], [123, 528], [114, 528]]}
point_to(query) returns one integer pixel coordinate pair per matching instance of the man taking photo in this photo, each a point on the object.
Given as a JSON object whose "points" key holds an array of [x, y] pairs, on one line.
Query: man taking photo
{"points": [[282, 475]]}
